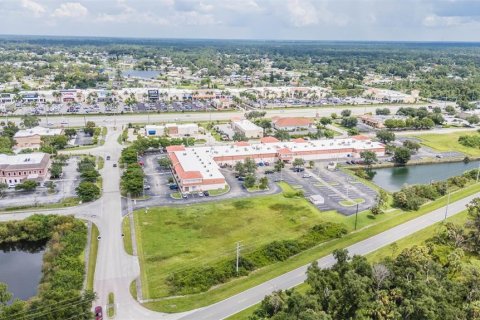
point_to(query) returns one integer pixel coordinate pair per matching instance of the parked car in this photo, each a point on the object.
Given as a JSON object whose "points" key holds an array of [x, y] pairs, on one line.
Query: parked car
{"points": [[206, 193], [114, 165], [200, 194], [98, 313], [173, 187], [108, 157], [146, 187], [299, 169], [306, 175], [269, 171], [184, 196], [241, 178]]}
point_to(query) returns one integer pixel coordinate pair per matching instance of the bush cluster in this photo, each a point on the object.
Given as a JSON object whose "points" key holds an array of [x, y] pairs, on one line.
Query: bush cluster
{"points": [[412, 197], [200, 279], [470, 141]]}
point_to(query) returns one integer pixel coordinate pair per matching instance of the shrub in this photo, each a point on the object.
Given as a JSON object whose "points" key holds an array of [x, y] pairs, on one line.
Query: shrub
{"points": [[470, 141]]}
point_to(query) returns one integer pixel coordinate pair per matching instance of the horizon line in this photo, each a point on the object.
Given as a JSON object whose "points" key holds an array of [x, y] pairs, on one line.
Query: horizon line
{"points": [[231, 39]]}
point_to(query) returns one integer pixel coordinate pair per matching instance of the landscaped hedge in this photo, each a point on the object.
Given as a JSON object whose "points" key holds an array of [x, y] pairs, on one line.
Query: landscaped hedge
{"points": [[60, 293], [200, 279]]}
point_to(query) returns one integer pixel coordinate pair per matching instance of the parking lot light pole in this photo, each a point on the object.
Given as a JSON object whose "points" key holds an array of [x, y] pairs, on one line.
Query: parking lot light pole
{"points": [[448, 201], [356, 217], [478, 171]]}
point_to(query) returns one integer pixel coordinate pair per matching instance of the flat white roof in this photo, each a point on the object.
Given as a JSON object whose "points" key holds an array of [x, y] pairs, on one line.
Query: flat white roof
{"points": [[311, 145], [247, 125], [28, 158], [197, 159], [201, 158], [37, 131]]}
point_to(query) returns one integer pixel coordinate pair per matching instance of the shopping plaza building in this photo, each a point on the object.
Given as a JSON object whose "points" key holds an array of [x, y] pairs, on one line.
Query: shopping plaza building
{"points": [[15, 169], [198, 168]]}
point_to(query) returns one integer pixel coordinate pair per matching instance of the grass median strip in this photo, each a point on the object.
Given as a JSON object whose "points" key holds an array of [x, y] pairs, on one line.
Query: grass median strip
{"points": [[127, 235], [368, 226], [111, 305], [92, 256]]}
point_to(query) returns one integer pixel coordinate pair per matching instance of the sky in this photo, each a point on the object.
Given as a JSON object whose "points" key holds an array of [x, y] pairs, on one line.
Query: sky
{"points": [[381, 20]]}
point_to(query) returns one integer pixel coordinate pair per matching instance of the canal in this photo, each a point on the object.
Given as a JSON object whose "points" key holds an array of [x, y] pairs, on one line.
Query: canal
{"points": [[21, 267], [392, 179]]}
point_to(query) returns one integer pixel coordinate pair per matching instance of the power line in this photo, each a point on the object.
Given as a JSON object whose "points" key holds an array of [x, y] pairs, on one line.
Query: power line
{"points": [[45, 312]]}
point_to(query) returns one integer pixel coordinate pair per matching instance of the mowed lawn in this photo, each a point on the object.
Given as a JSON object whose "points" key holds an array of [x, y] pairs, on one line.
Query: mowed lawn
{"points": [[448, 142], [175, 238]]}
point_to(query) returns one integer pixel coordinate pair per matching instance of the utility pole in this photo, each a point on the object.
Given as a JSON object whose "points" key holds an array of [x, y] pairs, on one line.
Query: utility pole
{"points": [[356, 217], [446, 208], [238, 256], [478, 171]]}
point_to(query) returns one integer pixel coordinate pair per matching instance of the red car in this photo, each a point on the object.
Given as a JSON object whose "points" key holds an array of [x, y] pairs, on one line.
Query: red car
{"points": [[98, 313]]}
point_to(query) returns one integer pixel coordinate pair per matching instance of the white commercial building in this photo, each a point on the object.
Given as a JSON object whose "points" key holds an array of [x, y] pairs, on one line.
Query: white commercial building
{"points": [[172, 129], [14, 169], [248, 128], [197, 168], [32, 138]]}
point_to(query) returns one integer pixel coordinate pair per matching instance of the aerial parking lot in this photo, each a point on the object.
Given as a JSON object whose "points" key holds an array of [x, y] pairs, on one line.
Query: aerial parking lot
{"points": [[339, 190]]}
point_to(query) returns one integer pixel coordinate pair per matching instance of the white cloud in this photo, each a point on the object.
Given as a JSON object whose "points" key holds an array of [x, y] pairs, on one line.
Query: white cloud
{"points": [[433, 20], [302, 13], [34, 7], [70, 10]]}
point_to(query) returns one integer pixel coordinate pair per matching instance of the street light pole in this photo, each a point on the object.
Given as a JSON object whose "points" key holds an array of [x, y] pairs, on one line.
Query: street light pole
{"points": [[446, 208], [478, 172], [356, 217]]}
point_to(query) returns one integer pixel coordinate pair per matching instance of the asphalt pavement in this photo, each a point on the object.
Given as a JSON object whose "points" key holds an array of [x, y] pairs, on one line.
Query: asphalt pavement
{"points": [[119, 119]]}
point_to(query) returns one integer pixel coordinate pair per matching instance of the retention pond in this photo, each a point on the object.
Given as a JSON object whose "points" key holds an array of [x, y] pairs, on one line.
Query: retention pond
{"points": [[392, 179]]}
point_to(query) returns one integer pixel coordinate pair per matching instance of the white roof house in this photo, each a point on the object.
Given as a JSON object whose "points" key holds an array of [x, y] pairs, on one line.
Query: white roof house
{"points": [[40, 131]]}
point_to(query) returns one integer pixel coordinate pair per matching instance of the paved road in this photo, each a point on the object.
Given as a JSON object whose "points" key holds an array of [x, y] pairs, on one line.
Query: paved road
{"points": [[112, 120], [241, 301]]}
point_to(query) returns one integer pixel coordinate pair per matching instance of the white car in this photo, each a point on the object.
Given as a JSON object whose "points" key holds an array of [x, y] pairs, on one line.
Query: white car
{"points": [[306, 175]]}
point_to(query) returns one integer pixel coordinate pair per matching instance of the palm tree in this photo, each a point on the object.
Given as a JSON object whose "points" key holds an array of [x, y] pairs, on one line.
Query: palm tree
{"points": [[56, 95]]}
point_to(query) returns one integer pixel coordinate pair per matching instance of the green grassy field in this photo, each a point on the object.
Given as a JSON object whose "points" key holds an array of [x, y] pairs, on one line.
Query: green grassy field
{"points": [[368, 225], [92, 257], [448, 142], [206, 233]]}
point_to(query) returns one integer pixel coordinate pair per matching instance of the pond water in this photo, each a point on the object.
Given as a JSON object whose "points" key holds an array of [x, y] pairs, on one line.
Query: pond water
{"points": [[145, 74], [21, 267], [392, 179]]}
